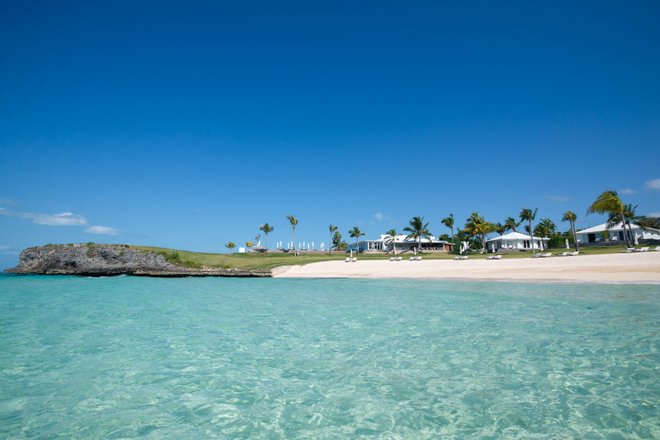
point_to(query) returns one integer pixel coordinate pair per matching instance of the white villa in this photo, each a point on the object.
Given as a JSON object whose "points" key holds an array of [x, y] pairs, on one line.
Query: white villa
{"points": [[400, 244], [515, 241], [603, 234]]}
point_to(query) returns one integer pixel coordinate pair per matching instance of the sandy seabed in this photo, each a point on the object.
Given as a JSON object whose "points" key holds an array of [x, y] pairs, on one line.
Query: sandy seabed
{"points": [[642, 267]]}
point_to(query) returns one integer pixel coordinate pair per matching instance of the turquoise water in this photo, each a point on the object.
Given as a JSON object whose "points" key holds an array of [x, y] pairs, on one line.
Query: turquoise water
{"points": [[325, 359]]}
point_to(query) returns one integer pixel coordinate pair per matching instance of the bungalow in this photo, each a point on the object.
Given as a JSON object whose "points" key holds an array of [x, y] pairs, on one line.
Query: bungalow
{"points": [[515, 241], [401, 244], [603, 234]]}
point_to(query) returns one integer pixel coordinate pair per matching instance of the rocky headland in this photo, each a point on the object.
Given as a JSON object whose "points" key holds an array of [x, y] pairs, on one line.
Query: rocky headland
{"points": [[113, 259]]}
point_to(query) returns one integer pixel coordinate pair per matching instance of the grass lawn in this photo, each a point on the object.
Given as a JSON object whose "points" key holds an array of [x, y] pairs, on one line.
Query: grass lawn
{"points": [[258, 260]]}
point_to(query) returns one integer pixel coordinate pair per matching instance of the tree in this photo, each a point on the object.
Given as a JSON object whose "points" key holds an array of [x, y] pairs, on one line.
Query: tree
{"points": [[545, 229], [528, 215], [510, 224], [499, 228], [570, 216], [294, 222], [649, 222], [266, 229], [607, 203], [336, 240], [356, 233], [332, 229], [391, 237], [449, 222], [478, 227], [249, 244], [631, 216], [417, 230], [230, 245]]}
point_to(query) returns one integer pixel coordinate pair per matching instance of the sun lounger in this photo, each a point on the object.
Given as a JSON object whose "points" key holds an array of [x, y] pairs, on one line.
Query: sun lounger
{"points": [[643, 249], [657, 248], [461, 257], [495, 257], [629, 250], [573, 254], [415, 258], [351, 260], [564, 254]]}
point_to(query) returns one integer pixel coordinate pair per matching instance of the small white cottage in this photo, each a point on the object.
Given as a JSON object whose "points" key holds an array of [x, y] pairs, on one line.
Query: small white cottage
{"points": [[603, 234], [516, 241]]}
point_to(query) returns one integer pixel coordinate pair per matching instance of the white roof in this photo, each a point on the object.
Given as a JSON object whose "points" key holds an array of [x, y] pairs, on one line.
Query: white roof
{"points": [[515, 236], [603, 227]]}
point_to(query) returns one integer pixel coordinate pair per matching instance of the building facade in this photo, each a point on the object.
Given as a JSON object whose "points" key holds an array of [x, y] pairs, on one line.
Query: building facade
{"points": [[400, 243]]}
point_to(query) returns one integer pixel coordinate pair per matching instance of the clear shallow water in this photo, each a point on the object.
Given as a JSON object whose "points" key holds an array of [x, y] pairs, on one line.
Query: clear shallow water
{"points": [[198, 358]]}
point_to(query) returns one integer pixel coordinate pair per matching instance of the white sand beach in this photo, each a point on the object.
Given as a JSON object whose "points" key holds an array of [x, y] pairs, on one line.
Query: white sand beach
{"points": [[608, 268]]}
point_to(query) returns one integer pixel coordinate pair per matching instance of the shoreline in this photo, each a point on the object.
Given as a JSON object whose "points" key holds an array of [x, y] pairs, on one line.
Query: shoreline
{"points": [[624, 268]]}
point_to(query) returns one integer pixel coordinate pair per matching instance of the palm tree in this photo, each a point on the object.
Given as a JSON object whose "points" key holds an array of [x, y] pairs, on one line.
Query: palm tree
{"points": [[417, 230], [356, 233], [477, 226], [230, 245], [528, 215], [631, 216], [510, 224], [545, 229], [266, 229], [499, 228], [391, 237], [294, 223], [570, 216], [332, 229], [608, 203], [449, 222]]}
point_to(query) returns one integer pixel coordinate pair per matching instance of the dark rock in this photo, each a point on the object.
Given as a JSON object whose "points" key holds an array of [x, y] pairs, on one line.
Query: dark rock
{"points": [[112, 259]]}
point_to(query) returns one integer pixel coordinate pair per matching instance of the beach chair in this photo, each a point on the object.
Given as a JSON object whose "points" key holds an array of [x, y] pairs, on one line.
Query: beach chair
{"points": [[348, 260], [574, 254], [629, 250], [643, 249], [657, 249], [461, 257], [353, 260], [495, 257]]}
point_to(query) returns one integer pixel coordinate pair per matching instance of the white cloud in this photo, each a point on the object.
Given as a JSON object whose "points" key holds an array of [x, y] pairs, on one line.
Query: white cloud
{"points": [[379, 216], [653, 184], [102, 230], [627, 191], [7, 202], [654, 214], [62, 219], [557, 198]]}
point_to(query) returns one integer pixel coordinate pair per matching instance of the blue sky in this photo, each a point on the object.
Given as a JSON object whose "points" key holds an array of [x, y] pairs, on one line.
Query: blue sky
{"points": [[189, 124]]}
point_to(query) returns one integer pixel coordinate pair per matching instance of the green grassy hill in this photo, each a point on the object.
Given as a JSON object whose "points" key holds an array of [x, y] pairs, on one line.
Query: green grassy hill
{"points": [[258, 260]]}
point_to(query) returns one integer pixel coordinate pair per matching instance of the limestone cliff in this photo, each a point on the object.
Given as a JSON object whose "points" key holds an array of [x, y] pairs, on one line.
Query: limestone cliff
{"points": [[112, 259]]}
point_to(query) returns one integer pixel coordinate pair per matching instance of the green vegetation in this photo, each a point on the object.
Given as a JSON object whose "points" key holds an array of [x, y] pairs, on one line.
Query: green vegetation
{"points": [[266, 229], [417, 230], [266, 261]]}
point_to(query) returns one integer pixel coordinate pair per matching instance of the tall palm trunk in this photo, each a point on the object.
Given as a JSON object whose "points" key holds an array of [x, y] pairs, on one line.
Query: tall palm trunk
{"points": [[623, 226], [577, 247], [531, 236], [632, 234], [293, 240]]}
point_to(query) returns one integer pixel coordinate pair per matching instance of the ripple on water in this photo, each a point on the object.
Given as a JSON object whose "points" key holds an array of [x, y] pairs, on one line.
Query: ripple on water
{"points": [[197, 358]]}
